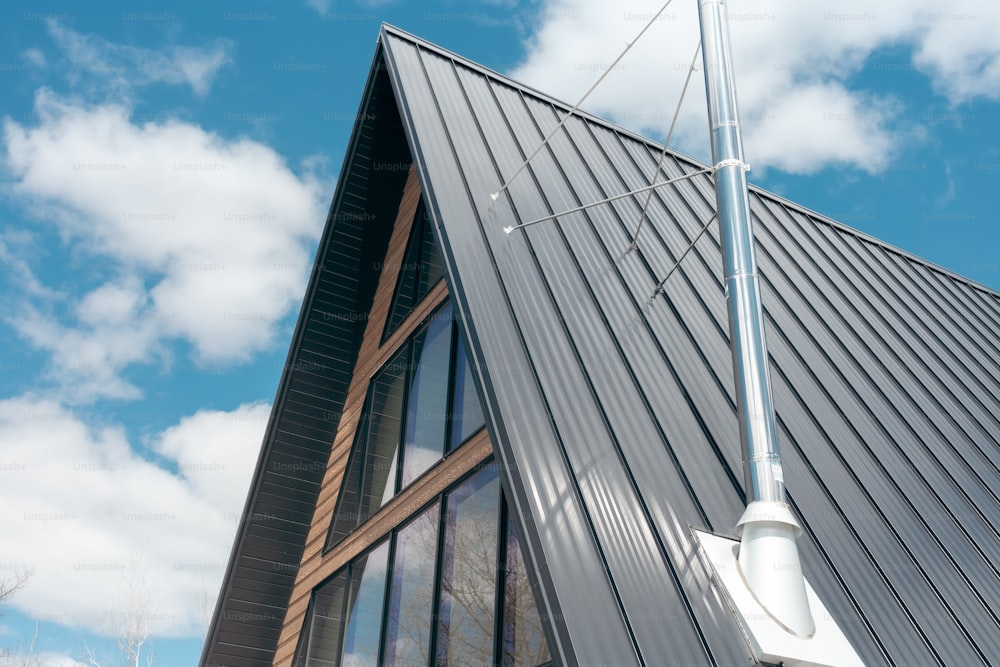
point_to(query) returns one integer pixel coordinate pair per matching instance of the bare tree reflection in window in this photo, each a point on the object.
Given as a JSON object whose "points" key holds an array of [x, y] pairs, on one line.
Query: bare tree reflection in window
{"points": [[411, 599], [468, 572], [523, 637], [363, 626]]}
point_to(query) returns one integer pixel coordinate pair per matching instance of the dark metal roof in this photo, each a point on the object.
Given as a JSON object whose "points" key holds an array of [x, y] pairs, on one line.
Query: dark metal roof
{"points": [[612, 412]]}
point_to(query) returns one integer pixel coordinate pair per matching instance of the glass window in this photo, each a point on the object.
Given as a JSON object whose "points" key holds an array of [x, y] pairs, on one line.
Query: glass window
{"points": [[523, 637], [411, 599], [469, 572], [451, 584], [370, 479], [427, 409], [384, 422], [323, 624], [420, 405], [365, 603], [431, 266], [422, 268], [345, 516], [467, 411]]}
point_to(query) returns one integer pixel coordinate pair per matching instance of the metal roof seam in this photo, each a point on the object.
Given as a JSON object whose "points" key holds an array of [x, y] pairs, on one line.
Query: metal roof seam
{"points": [[831, 497], [863, 342], [936, 312], [891, 304], [878, 313], [645, 508]]}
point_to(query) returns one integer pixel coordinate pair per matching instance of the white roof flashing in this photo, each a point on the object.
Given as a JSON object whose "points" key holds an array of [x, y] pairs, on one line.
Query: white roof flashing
{"points": [[768, 639]]}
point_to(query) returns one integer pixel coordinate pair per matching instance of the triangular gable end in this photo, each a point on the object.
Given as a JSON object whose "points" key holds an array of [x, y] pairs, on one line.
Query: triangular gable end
{"points": [[351, 270], [273, 529]]}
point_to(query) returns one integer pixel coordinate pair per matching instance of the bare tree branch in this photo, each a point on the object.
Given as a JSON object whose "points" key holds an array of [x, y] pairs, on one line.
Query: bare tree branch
{"points": [[130, 623], [13, 584]]}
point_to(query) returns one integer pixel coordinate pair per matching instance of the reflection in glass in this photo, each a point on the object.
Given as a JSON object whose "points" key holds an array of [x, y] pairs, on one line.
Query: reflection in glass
{"points": [[364, 608], [457, 583], [324, 623], [422, 268], [386, 417], [427, 407], [411, 599], [370, 479], [523, 638], [468, 572], [431, 266], [467, 411], [345, 517]]}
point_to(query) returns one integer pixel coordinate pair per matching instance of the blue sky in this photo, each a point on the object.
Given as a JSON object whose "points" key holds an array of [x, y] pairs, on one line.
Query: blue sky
{"points": [[164, 176]]}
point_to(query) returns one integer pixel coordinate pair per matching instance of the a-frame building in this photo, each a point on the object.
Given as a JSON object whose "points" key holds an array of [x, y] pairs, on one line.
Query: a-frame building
{"points": [[495, 448]]}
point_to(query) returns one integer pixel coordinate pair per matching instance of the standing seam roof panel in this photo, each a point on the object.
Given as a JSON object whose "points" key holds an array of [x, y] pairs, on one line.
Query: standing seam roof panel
{"points": [[639, 446], [900, 517], [589, 449], [930, 409], [547, 494], [872, 315]]}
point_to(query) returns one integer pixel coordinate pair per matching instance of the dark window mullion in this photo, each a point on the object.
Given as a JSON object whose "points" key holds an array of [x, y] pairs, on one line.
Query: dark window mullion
{"points": [[302, 647], [435, 615], [499, 617], [449, 428], [348, 584], [409, 370], [356, 458], [390, 566], [364, 428], [418, 236]]}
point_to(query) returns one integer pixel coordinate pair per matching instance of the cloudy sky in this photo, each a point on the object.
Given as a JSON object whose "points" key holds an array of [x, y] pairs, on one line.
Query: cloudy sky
{"points": [[164, 176]]}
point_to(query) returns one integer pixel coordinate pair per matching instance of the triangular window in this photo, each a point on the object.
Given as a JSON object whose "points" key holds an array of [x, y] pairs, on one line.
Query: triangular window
{"points": [[420, 271]]}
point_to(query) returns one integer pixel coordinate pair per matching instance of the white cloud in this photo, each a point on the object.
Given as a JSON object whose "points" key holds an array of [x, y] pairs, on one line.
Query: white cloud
{"points": [[123, 67], [11, 243], [793, 63], [77, 504], [203, 446], [959, 49], [207, 239], [53, 659], [86, 361], [321, 6], [35, 57]]}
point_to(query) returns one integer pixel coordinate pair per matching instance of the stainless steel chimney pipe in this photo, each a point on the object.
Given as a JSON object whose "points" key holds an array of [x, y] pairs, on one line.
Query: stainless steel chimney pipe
{"points": [[762, 462], [768, 555]]}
